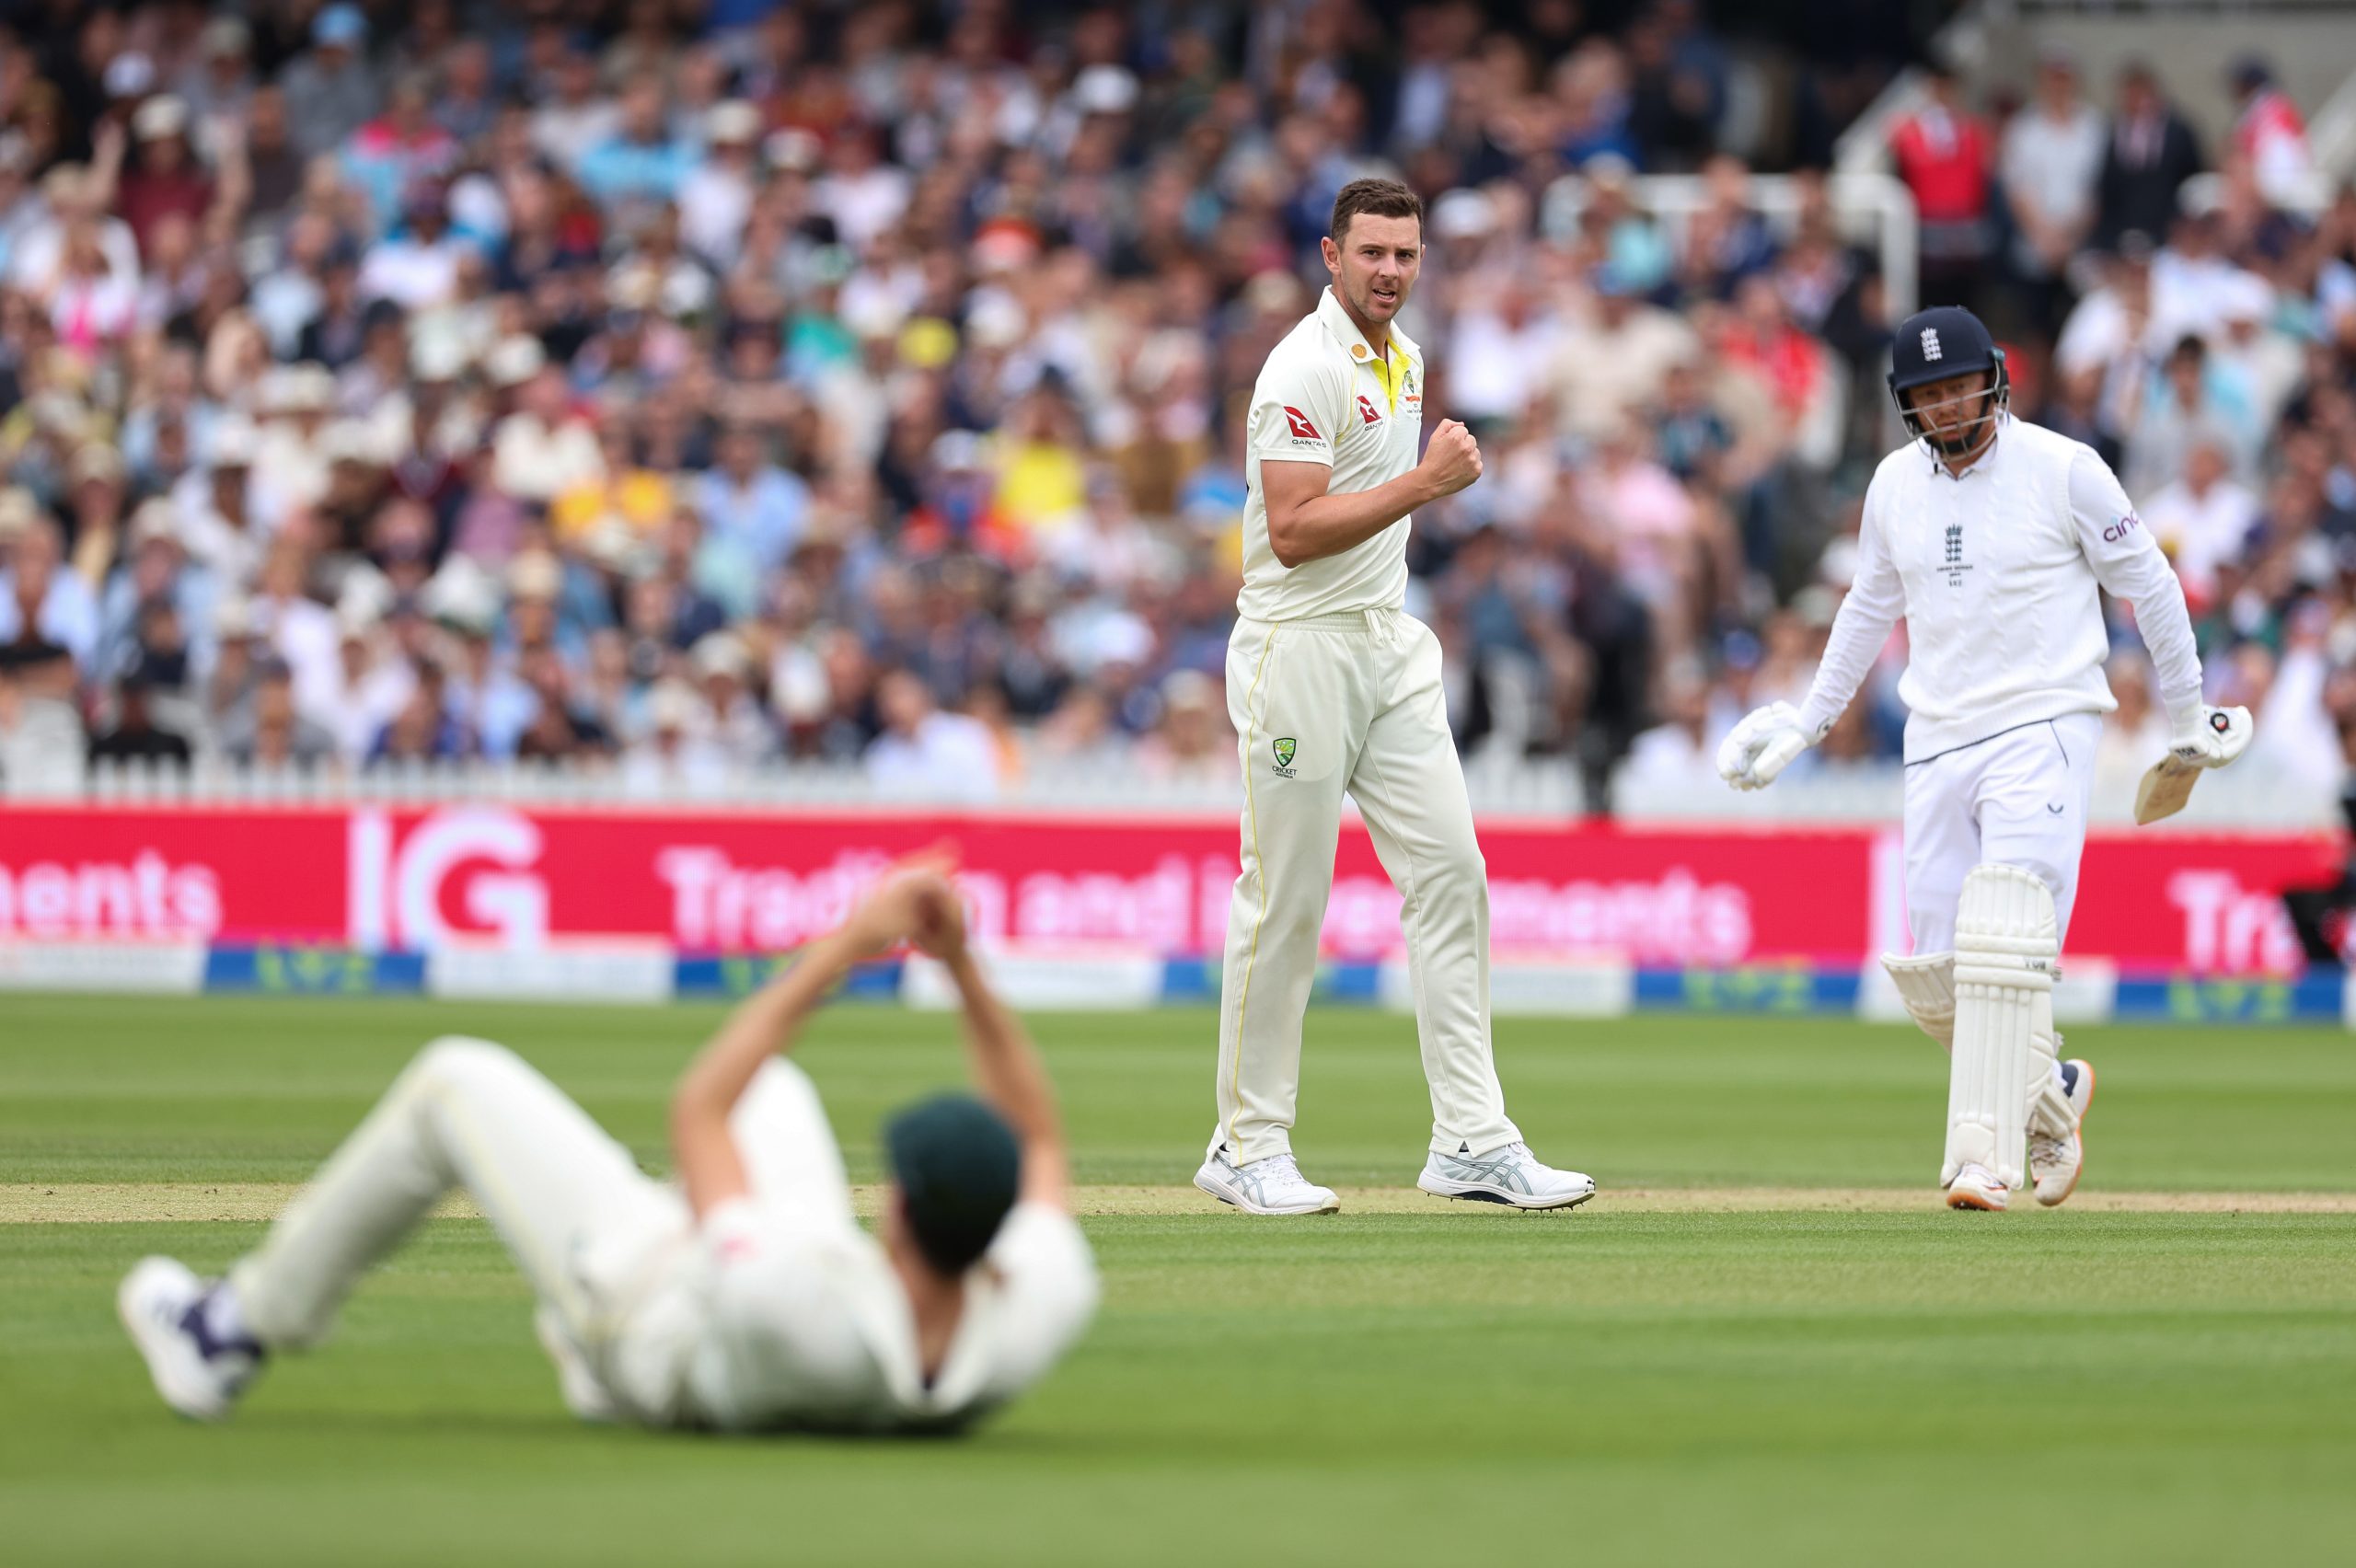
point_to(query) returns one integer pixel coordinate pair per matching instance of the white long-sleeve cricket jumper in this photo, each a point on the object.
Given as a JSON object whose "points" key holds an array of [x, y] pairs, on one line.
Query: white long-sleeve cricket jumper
{"points": [[1998, 572]]}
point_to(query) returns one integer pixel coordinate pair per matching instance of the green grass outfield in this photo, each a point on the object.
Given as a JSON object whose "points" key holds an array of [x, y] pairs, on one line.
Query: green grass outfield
{"points": [[1835, 1371]]}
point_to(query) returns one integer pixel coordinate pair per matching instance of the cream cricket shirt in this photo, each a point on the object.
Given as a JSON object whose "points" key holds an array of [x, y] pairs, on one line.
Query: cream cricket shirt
{"points": [[800, 1322], [1326, 396], [1998, 573]]}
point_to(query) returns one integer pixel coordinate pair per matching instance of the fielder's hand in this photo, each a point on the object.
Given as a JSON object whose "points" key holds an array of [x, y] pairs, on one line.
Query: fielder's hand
{"points": [[1452, 461], [2212, 737], [941, 919], [895, 908], [1761, 746]]}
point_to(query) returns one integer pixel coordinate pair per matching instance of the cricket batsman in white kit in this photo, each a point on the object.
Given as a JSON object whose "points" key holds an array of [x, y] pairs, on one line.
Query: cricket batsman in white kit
{"points": [[1334, 689], [1993, 536], [746, 1297]]}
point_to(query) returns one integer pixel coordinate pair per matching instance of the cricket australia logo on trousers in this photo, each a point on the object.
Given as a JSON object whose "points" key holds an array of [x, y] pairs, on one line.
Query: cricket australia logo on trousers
{"points": [[1284, 749]]}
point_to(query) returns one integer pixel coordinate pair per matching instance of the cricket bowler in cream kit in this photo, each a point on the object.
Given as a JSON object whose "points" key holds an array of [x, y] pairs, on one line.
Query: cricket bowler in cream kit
{"points": [[1334, 689]]}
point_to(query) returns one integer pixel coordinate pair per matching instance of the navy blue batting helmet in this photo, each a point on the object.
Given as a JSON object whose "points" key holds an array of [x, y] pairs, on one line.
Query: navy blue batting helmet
{"points": [[1931, 345]]}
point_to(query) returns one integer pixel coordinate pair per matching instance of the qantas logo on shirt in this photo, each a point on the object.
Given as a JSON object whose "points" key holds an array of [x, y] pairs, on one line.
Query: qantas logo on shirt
{"points": [[1299, 425], [1368, 412]]}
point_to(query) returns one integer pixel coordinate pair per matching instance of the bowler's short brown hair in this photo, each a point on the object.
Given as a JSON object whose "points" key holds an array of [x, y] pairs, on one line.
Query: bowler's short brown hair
{"points": [[1377, 199]]}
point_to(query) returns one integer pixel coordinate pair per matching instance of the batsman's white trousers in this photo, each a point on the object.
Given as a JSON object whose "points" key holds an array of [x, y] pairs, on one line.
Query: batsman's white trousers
{"points": [[594, 1234], [2018, 798], [1334, 704]]}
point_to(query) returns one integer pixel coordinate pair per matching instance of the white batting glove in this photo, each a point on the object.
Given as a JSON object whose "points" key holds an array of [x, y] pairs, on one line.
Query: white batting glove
{"points": [[1761, 746], [2212, 737]]}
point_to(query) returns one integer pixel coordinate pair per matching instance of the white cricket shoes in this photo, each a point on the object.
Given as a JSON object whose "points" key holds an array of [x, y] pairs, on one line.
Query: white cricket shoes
{"points": [[2055, 1160], [1274, 1186], [198, 1373], [1976, 1187], [1510, 1175]]}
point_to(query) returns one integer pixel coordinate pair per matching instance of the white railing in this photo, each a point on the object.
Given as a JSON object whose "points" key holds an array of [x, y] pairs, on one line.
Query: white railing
{"points": [[2248, 796]]}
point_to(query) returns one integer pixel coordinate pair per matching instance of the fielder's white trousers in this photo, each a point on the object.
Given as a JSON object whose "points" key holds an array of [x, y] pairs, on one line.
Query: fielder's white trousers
{"points": [[2018, 798], [1323, 706], [595, 1235]]}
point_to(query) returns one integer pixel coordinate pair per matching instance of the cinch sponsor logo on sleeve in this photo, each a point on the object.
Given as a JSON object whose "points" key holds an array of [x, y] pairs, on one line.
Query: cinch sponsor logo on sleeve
{"points": [[1299, 423], [2121, 528]]}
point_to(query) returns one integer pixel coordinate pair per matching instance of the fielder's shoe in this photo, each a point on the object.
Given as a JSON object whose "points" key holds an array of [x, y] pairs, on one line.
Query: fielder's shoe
{"points": [[2055, 1160], [1976, 1187], [1274, 1186], [200, 1373], [1511, 1175]]}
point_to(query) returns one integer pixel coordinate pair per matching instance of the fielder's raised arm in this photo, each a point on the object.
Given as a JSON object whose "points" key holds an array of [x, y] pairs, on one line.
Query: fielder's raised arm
{"points": [[1006, 1065], [710, 1165]]}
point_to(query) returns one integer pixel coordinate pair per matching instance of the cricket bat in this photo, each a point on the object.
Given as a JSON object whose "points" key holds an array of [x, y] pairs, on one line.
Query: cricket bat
{"points": [[2166, 786], [2166, 789]]}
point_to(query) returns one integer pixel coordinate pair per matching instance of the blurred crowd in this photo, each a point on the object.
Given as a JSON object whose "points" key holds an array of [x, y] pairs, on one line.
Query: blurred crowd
{"points": [[682, 390]]}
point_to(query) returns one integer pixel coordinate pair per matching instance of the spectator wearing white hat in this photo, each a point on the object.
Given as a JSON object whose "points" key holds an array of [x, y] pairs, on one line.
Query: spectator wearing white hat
{"points": [[217, 520], [164, 181], [71, 198], [97, 490], [543, 448], [674, 754], [738, 727], [91, 306], [290, 464], [716, 196]]}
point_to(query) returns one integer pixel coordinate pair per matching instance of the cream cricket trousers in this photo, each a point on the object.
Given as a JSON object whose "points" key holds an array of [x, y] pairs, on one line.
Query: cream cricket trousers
{"points": [[595, 1235], [2018, 798], [1323, 706]]}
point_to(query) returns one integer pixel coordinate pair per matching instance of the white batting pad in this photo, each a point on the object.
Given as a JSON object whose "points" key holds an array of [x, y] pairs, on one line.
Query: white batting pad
{"points": [[2006, 947], [1926, 985]]}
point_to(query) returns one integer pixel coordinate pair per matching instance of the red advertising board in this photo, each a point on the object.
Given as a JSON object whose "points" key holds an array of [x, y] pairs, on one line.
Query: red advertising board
{"points": [[720, 881]]}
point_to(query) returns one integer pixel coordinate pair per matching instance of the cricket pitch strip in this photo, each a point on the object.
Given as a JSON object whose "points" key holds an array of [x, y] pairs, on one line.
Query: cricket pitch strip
{"points": [[102, 1203]]}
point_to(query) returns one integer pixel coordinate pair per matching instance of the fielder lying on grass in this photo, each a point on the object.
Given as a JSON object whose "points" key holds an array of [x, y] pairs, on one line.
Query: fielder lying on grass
{"points": [[745, 1296]]}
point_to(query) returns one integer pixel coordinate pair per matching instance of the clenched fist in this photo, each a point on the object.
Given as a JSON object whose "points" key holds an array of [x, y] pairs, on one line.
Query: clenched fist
{"points": [[1452, 461]]}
